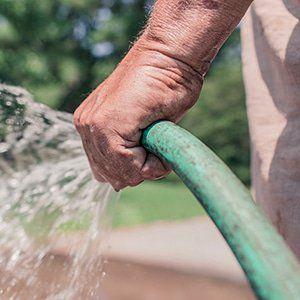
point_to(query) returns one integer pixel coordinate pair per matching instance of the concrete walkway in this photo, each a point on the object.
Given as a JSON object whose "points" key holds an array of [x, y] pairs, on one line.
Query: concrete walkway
{"points": [[193, 246]]}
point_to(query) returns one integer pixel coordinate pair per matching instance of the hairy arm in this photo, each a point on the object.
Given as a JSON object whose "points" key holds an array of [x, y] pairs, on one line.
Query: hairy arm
{"points": [[193, 31], [159, 78]]}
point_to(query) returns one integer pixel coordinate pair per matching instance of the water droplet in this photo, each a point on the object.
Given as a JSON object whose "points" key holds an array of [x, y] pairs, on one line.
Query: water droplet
{"points": [[48, 184], [3, 147]]}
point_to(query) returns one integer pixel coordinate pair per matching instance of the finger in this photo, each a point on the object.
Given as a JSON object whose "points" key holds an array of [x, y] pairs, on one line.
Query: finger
{"points": [[95, 170], [137, 157], [117, 185], [133, 160], [98, 176], [154, 168], [79, 111], [95, 164]]}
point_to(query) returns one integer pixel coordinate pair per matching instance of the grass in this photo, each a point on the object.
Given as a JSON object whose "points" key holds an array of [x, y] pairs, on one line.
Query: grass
{"points": [[153, 201]]}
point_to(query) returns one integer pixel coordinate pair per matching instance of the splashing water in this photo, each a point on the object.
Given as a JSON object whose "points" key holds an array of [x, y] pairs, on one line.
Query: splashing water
{"points": [[52, 212]]}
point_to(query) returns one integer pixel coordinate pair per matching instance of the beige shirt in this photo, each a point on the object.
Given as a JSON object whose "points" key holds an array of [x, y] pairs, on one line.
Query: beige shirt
{"points": [[271, 59]]}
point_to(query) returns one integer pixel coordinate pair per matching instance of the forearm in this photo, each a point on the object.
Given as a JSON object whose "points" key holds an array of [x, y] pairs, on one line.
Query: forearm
{"points": [[192, 31]]}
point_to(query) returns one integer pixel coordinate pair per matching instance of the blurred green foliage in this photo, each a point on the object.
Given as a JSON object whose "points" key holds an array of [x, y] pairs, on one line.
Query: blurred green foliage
{"points": [[61, 49], [219, 118]]}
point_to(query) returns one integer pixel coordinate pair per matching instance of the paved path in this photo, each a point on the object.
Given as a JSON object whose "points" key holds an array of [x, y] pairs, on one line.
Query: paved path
{"points": [[192, 246]]}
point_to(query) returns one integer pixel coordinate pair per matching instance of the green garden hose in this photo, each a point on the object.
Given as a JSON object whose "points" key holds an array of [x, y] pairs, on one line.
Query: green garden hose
{"points": [[269, 265]]}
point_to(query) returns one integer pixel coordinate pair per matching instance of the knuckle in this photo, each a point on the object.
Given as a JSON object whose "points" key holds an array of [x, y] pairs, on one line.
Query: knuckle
{"points": [[101, 119], [123, 154], [127, 155], [97, 124]]}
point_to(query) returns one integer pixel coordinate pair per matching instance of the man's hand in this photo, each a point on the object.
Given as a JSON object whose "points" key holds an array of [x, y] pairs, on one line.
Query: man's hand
{"points": [[146, 86], [160, 78]]}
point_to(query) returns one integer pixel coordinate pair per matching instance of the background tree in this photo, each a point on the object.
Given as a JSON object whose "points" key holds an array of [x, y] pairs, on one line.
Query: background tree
{"points": [[60, 49]]}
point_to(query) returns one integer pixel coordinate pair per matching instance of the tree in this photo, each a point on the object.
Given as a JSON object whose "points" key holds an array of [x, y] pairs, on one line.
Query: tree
{"points": [[60, 49], [219, 117]]}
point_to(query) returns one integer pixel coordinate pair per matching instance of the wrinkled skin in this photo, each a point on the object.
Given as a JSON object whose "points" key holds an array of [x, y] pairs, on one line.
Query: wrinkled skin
{"points": [[160, 78], [146, 86]]}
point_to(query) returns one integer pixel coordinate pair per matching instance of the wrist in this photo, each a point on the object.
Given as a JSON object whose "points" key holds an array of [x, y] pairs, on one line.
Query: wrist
{"points": [[168, 60], [184, 56], [192, 31]]}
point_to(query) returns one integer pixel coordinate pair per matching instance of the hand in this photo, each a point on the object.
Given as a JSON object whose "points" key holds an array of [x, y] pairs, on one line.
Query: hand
{"points": [[146, 86]]}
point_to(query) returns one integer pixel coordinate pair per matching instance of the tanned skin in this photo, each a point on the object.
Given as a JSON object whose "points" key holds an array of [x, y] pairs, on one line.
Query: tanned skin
{"points": [[159, 79]]}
